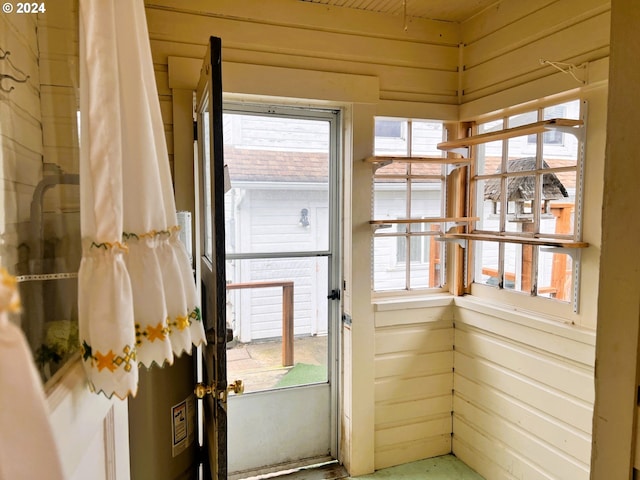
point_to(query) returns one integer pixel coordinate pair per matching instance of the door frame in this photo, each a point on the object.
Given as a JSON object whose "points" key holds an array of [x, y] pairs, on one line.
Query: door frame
{"points": [[280, 106]]}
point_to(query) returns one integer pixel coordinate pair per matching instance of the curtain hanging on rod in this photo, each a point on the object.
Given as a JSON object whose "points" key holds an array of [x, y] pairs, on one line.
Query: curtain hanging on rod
{"points": [[137, 300]]}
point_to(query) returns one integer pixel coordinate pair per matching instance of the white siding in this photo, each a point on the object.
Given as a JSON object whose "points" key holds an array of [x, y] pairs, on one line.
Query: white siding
{"points": [[523, 394]]}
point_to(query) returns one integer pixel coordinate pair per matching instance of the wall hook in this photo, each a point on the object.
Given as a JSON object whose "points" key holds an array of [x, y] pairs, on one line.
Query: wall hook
{"points": [[4, 55], [568, 68], [5, 76]]}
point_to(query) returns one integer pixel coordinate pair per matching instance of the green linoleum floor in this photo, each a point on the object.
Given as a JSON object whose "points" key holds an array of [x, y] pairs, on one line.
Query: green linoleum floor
{"points": [[446, 467]]}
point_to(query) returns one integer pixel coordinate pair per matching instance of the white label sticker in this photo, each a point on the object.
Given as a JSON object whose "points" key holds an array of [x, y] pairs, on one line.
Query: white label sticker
{"points": [[183, 425]]}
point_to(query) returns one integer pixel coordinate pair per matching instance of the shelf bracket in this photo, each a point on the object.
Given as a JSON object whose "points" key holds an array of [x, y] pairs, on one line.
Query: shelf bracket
{"points": [[578, 132], [380, 164], [462, 242], [464, 151], [378, 226], [574, 253]]}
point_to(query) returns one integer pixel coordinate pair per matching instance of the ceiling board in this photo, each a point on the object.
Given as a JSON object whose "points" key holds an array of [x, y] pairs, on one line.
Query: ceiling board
{"points": [[446, 10]]}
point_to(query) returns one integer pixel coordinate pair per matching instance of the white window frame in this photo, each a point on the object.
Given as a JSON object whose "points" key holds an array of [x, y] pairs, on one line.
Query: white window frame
{"points": [[501, 294], [419, 229]]}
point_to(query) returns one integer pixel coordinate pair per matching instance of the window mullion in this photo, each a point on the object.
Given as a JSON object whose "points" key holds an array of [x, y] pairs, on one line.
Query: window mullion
{"points": [[408, 226]]}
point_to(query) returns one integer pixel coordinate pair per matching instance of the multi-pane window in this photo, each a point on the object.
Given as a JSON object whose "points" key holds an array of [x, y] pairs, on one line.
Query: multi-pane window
{"points": [[408, 191], [528, 188]]}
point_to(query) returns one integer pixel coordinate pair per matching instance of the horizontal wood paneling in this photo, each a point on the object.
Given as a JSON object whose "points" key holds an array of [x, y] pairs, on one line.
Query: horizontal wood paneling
{"points": [[413, 384], [523, 394], [420, 66], [20, 132], [503, 46]]}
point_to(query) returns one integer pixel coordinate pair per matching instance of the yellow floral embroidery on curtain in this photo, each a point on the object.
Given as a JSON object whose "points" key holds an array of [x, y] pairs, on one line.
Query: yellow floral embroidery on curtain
{"points": [[109, 360]]}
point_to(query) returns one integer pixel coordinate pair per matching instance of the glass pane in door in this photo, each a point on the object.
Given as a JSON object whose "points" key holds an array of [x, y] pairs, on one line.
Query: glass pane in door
{"points": [[277, 234]]}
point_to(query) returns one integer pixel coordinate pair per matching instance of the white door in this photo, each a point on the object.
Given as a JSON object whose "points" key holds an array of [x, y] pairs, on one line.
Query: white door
{"points": [[281, 252]]}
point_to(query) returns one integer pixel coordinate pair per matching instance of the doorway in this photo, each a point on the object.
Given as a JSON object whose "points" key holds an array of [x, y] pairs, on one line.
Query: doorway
{"points": [[282, 274]]}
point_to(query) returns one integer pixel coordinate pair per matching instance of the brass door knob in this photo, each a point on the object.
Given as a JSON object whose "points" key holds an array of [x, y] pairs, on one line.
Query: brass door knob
{"points": [[201, 390], [236, 387]]}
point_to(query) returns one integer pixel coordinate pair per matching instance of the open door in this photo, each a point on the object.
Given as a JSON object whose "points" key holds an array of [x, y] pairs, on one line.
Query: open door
{"points": [[212, 262], [286, 260]]}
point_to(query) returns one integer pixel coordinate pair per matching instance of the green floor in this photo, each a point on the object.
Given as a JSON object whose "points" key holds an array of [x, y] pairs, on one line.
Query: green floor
{"points": [[446, 467]]}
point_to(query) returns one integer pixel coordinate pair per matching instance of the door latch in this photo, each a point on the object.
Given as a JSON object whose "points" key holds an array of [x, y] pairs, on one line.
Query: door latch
{"points": [[202, 390], [334, 295]]}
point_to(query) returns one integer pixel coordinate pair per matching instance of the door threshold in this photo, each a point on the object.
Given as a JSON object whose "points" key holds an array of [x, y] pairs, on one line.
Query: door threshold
{"points": [[330, 470]]}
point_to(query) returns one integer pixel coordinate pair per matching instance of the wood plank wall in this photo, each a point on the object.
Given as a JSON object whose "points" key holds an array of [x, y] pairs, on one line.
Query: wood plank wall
{"points": [[413, 384], [503, 46], [523, 394], [20, 133], [418, 66], [59, 78]]}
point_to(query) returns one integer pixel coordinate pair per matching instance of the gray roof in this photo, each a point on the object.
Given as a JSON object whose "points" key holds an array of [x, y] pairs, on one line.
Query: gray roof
{"points": [[522, 188]]}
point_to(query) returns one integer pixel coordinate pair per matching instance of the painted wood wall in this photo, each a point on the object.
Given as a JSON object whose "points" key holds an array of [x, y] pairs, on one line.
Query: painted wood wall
{"points": [[503, 45], [413, 382], [523, 406], [523, 394], [38, 127], [21, 146]]}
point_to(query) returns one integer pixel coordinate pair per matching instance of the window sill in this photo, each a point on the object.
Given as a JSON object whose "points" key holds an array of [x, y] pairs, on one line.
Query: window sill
{"points": [[407, 302]]}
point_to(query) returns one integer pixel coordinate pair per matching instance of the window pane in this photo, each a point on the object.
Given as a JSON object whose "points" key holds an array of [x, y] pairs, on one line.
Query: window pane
{"points": [[555, 276], [430, 271], [387, 141], [522, 155], [426, 198], [389, 199], [256, 314], [388, 128], [424, 138], [279, 198], [558, 209], [489, 155], [487, 263], [520, 193], [388, 273], [206, 177], [488, 202], [522, 119], [518, 267]]}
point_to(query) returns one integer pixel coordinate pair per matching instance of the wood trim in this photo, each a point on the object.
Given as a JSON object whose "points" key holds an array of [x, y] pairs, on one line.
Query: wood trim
{"points": [[425, 220], [287, 313], [549, 242], [110, 445], [442, 160], [537, 127]]}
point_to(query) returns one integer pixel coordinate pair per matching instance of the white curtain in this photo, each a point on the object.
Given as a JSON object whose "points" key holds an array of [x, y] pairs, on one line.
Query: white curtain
{"points": [[137, 298], [27, 447]]}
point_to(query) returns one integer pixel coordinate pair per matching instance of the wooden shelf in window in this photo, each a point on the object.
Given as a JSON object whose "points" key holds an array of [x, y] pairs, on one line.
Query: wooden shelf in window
{"points": [[425, 220], [564, 124], [441, 160], [547, 242]]}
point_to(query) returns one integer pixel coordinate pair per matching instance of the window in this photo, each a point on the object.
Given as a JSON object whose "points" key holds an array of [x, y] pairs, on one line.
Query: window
{"points": [[389, 128], [528, 190], [409, 194], [554, 137]]}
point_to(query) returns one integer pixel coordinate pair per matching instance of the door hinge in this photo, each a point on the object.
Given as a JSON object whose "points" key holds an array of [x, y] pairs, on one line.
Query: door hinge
{"points": [[195, 131]]}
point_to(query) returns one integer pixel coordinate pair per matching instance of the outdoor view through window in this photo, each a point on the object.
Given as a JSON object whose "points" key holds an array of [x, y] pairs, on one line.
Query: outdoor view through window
{"points": [[278, 245]]}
